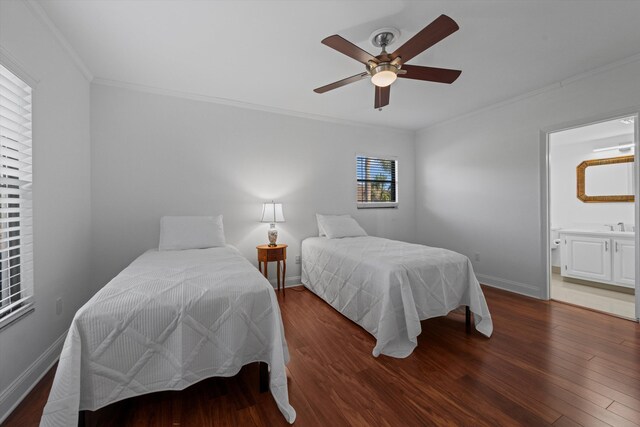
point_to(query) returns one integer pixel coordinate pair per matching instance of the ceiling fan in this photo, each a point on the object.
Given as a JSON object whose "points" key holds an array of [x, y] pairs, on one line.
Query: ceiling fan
{"points": [[385, 68]]}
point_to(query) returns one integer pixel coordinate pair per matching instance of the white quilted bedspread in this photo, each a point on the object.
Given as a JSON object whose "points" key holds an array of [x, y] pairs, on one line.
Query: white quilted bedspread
{"points": [[167, 321], [387, 286]]}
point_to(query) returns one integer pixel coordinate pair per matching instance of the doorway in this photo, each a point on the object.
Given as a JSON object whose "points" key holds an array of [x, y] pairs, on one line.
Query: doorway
{"points": [[592, 228]]}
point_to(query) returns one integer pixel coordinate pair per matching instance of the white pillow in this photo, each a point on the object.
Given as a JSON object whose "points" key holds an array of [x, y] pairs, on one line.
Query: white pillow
{"points": [[190, 232], [320, 218], [340, 226]]}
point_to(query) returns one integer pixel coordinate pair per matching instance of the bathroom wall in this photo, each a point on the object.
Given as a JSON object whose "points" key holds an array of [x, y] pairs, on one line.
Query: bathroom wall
{"points": [[567, 211]]}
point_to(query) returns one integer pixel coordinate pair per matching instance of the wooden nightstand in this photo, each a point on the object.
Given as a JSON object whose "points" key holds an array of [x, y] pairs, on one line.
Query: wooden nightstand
{"points": [[268, 254]]}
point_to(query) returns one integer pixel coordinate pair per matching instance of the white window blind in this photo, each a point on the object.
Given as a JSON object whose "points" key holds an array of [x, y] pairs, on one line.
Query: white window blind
{"points": [[16, 226], [377, 184]]}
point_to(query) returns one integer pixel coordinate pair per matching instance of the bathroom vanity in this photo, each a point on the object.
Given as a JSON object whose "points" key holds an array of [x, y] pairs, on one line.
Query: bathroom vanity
{"points": [[599, 256]]}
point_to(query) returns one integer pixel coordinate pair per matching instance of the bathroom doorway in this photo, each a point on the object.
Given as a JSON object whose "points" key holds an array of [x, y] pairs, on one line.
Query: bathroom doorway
{"points": [[592, 216]]}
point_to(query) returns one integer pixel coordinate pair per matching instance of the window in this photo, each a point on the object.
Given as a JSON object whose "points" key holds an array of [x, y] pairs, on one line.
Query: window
{"points": [[16, 230], [377, 182]]}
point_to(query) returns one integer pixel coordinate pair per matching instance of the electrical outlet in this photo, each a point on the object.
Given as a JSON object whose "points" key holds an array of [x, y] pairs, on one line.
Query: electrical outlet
{"points": [[297, 259], [476, 257], [59, 306]]}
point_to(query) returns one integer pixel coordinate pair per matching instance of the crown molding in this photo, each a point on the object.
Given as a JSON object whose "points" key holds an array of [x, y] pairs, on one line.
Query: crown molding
{"points": [[18, 68], [42, 16], [240, 104], [557, 85]]}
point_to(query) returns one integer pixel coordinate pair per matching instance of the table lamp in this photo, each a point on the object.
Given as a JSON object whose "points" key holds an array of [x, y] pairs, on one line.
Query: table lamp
{"points": [[272, 213]]}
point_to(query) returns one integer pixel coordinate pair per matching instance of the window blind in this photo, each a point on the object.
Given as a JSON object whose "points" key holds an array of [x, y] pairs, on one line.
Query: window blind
{"points": [[16, 226], [376, 182]]}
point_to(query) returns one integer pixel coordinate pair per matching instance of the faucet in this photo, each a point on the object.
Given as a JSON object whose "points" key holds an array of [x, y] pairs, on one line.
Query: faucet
{"points": [[621, 225], [611, 227]]}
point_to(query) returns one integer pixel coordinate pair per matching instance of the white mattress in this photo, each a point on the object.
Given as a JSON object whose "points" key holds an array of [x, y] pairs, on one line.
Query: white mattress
{"points": [[387, 286], [167, 321]]}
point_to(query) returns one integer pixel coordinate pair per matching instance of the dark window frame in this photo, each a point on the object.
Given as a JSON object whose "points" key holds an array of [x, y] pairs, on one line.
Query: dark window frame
{"points": [[376, 181]]}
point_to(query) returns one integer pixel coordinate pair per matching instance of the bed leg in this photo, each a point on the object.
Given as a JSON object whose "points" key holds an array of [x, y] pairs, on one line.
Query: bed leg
{"points": [[264, 377], [82, 419], [467, 318]]}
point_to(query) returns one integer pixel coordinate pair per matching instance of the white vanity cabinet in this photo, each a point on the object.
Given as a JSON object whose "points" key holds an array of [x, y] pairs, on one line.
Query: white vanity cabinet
{"points": [[586, 257], [624, 267], [605, 257]]}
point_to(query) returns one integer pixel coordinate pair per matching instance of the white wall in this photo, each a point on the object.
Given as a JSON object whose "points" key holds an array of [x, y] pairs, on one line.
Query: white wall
{"points": [[155, 155], [566, 210], [61, 194], [478, 178]]}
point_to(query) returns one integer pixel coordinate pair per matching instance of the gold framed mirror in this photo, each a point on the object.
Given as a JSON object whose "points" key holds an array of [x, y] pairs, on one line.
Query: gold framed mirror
{"points": [[617, 179]]}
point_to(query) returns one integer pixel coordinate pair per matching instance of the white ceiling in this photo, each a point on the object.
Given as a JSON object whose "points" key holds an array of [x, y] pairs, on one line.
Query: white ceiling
{"points": [[268, 53]]}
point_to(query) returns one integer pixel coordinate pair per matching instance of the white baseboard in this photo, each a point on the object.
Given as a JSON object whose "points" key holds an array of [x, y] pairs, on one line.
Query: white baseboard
{"points": [[510, 285], [294, 284], [494, 282], [289, 282], [11, 397]]}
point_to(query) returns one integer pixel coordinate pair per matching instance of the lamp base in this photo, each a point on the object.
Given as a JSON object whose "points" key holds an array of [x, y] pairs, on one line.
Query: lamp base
{"points": [[273, 235]]}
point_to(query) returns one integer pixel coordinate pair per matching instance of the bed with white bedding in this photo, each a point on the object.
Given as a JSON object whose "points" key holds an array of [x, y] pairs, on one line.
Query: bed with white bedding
{"points": [[387, 286], [169, 320]]}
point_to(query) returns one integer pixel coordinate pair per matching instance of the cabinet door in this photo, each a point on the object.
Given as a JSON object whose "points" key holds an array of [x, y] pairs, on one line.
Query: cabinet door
{"points": [[624, 262], [587, 257]]}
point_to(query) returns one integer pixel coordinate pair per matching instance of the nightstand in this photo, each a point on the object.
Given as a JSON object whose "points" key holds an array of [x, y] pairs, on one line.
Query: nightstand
{"points": [[276, 253]]}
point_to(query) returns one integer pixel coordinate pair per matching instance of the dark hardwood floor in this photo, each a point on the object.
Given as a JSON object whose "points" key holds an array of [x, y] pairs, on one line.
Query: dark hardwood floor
{"points": [[547, 363]]}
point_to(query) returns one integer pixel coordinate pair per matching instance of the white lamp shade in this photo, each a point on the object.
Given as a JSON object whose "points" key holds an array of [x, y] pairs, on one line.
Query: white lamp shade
{"points": [[272, 212]]}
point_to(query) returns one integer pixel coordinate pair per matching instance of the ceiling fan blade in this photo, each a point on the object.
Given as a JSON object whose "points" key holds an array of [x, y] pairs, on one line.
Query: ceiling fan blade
{"points": [[341, 83], [382, 96], [440, 75], [439, 29], [346, 47]]}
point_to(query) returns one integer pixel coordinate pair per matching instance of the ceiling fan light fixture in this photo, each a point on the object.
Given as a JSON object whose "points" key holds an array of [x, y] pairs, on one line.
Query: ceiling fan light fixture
{"points": [[383, 75]]}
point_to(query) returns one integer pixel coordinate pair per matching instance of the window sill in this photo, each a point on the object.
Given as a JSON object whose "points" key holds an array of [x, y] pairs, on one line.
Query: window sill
{"points": [[378, 205], [23, 311]]}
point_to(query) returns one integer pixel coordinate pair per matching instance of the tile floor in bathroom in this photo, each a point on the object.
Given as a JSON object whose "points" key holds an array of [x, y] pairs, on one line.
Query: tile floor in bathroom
{"points": [[616, 303]]}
